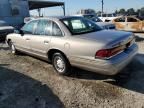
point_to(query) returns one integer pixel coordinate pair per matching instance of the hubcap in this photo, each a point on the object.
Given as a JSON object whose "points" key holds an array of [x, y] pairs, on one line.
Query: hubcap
{"points": [[59, 64]]}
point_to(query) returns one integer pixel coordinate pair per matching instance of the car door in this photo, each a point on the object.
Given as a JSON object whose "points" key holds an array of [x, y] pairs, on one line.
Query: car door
{"points": [[120, 23], [23, 39], [58, 40], [40, 41], [133, 24]]}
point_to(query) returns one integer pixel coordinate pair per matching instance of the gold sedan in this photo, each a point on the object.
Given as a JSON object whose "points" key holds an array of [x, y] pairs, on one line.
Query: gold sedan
{"points": [[129, 23]]}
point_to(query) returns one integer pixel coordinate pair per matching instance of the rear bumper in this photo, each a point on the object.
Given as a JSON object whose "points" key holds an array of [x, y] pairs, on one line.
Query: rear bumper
{"points": [[113, 65]]}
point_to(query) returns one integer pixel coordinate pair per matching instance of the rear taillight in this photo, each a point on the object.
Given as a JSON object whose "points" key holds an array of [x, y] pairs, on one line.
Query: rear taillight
{"points": [[107, 53]]}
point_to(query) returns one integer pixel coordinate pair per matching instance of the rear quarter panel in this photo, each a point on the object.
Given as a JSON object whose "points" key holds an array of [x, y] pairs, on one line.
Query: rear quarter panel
{"points": [[135, 26], [143, 26], [120, 25], [82, 49], [76, 49]]}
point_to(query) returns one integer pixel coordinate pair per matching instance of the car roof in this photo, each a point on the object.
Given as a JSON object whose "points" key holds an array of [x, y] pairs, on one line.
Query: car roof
{"points": [[57, 17], [127, 17], [85, 14]]}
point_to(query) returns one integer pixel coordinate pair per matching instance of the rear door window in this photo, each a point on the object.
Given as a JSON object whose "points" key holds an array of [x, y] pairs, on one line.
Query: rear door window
{"points": [[130, 19], [103, 15], [121, 19], [109, 15], [56, 31]]}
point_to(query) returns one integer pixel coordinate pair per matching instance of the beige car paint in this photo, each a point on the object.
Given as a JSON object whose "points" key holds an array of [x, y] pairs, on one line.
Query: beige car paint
{"points": [[79, 49]]}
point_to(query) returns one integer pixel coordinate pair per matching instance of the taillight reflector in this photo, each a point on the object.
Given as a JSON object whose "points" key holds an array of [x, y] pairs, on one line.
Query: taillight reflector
{"points": [[106, 53]]}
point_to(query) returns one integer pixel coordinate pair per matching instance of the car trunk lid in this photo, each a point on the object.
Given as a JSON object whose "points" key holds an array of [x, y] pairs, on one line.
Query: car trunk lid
{"points": [[109, 38]]}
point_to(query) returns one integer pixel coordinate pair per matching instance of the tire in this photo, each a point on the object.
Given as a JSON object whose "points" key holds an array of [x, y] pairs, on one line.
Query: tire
{"points": [[61, 64], [12, 47], [2, 38]]}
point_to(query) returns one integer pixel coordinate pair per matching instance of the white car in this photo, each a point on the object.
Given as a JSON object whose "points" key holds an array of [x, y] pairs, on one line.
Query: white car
{"points": [[107, 17], [98, 21], [27, 19], [5, 29]]}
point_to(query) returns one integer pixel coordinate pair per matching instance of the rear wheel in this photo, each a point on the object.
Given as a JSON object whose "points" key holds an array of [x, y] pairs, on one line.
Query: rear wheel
{"points": [[61, 64]]}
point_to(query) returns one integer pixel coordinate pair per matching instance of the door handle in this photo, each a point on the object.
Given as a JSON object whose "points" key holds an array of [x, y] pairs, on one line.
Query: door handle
{"points": [[46, 42], [27, 39]]}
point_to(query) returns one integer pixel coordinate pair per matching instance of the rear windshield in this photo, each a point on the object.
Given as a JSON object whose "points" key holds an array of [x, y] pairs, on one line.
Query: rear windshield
{"points": [[79, 25]]}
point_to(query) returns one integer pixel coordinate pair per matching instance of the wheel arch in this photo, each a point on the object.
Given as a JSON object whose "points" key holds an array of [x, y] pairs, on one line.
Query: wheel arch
{"points": [[8, 40], [52, 51]]}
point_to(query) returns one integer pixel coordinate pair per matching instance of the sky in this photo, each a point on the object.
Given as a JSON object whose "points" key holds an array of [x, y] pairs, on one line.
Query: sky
{"points": [[72, 6]]}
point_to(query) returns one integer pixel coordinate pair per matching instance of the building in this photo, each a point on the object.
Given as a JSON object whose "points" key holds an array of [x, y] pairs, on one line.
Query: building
{"points": [[86, 11], [14, 11]]}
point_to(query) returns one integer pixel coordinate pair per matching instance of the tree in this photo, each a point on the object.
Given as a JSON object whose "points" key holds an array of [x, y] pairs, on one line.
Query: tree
{"points": [[142, 11], [122, 11], [116, 12], [138, 12], [131, 11]]}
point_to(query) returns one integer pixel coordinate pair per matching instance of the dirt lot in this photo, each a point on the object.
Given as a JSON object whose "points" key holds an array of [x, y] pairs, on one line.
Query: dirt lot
{"points": [[27, 82]]}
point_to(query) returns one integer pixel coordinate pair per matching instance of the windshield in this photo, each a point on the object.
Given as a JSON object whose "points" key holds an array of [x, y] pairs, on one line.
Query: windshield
{"points": [[78, 25], [96, 19], [89, 16], [93, 18]]}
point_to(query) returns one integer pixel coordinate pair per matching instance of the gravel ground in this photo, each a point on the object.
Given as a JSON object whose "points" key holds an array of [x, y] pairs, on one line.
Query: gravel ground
{"points": [[27, 82]]}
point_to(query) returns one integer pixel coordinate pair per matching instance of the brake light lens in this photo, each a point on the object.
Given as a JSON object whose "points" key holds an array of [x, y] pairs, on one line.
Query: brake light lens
{"points": [[107, 53]]}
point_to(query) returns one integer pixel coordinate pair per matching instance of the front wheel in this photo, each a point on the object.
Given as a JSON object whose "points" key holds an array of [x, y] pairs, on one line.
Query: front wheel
{"points": [[61, 64], [12, 48]]}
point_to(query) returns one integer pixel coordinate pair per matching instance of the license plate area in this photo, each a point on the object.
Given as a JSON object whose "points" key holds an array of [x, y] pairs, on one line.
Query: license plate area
{"points": [[123, 47]]}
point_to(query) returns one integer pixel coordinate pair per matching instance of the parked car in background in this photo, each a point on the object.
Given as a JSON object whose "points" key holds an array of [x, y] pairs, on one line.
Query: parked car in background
{"points": [[98, 21], [129, 23], [4, 30], [75, 41], [27, 19], [140, 17], [107, 17]]}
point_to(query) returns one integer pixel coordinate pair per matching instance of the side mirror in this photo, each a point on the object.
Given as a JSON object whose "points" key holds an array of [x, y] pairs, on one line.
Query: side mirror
{"points": [[19, 32]]}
